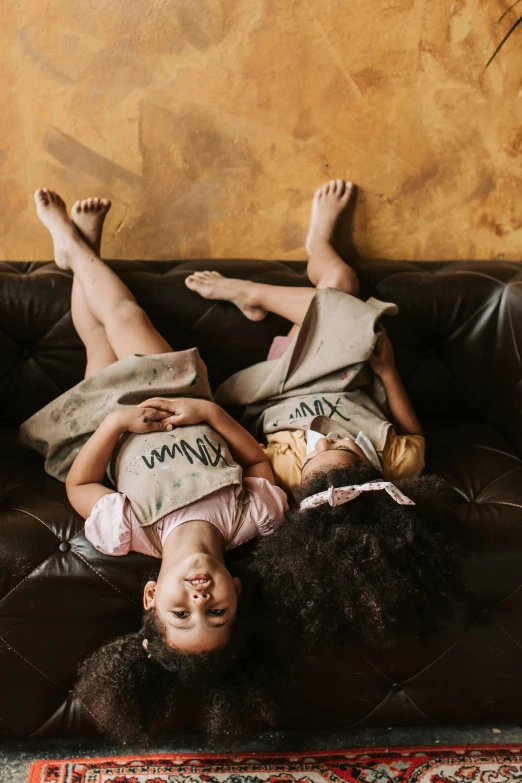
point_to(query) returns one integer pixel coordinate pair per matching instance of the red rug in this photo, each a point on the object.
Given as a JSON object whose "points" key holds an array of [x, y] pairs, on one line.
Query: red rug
{"points": [[473, 764]]}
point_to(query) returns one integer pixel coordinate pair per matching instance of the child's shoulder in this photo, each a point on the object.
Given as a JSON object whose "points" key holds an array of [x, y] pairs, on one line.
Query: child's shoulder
{"points": [[109, 525]]}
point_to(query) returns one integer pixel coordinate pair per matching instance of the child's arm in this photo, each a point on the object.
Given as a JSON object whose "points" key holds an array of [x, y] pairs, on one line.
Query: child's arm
{"points": [[243, 447], [403, 416], [84, 487]]}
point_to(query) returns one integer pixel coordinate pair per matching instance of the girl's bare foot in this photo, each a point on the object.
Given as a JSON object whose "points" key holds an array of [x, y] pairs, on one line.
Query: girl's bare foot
{"points": [[88, 217], [51, 210], [212, 285], [328, 204]]}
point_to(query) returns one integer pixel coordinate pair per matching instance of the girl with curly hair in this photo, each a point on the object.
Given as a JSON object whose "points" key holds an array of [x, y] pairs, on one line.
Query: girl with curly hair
{"points": [[357, 552], [188, 483]]}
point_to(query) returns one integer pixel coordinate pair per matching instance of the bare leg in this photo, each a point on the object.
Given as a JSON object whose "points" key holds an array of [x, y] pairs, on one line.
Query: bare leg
{"points": [[88, 217], [290, 302], [127, 326], [326, 269]]}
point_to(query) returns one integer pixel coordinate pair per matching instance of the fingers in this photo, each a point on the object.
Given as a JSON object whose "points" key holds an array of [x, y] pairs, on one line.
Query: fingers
{"points": [[177, 419], [153, 414], [156, 421], [159, 426], [161, 403]]}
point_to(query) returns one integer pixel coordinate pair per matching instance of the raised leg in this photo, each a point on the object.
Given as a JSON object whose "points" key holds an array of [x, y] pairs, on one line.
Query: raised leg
{"points": [[88, 217], [255, 300], [326, 269], [127, 326]]}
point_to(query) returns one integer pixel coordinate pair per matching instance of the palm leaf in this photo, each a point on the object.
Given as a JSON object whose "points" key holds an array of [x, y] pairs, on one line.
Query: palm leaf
{"points": [[508, 10], [503, 41]]}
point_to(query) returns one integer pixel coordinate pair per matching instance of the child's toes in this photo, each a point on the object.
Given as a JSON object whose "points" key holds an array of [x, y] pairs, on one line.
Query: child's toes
{"points": [[40, 196], [347, 191]]}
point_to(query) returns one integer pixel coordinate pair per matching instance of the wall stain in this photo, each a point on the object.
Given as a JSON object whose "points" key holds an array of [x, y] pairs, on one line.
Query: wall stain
{"points": [[210, 125], [43, 60], [491, 225], [484, 188], [76, 157]]}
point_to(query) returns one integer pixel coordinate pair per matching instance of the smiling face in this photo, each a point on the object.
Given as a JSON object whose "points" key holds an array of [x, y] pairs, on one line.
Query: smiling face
{"points": [[196, 603], [331, 453]]}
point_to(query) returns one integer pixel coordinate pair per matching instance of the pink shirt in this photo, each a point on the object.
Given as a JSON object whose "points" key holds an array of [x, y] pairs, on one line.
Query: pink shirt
{"points": [[114, 530]]}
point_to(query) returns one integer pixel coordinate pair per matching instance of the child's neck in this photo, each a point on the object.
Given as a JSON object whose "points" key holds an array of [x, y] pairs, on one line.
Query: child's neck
{"points": [[192, 538]]}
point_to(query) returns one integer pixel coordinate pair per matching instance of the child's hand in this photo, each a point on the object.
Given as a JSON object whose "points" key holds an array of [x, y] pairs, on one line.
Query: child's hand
{"points": [[181, 411], [141, 420], [383, 361]]}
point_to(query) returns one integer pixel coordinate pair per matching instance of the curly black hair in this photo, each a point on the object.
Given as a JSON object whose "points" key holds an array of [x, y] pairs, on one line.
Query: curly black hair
{"points": [[134, 698], [369, 569]]}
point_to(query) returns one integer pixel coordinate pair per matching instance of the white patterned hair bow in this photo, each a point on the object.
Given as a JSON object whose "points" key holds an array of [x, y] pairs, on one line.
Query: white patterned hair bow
{"points": [[336, 496]]}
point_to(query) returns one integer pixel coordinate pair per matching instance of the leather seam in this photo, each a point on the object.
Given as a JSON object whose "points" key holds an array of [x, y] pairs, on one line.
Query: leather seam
{"points": [[508, 634], [473, 273], [507, 503], [12, 649], [492, 482], [104, 579], [417, 708], [60, 319], [497, 451], [30, 514], [444, 653], [365, 717], [506, 597], [512, 329], [31, 572]]}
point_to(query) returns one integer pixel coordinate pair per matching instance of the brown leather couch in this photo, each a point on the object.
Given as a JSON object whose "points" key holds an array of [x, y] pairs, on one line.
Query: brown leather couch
{"points": [[458, 342]]}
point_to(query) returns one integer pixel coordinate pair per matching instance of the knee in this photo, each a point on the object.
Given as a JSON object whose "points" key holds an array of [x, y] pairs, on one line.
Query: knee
{"points": [[128, 314], [348, 282], [343, 279]]}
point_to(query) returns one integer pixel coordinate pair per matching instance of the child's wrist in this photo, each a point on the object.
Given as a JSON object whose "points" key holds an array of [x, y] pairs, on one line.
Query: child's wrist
{"points": [[116, 421], [387, 374], [212, 412]]}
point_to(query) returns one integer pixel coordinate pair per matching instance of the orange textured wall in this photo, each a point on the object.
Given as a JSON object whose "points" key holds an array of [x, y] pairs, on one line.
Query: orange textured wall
{"points": [[209, 123]]}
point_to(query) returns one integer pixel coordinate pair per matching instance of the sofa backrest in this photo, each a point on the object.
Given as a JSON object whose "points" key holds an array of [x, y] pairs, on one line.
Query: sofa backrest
{"points": [[456, 338]]}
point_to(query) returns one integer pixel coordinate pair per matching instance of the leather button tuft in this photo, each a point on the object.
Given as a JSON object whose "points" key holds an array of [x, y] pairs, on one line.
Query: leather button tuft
{"points": [[26, 353], [64, 546], [397, 687], [485, 612]]}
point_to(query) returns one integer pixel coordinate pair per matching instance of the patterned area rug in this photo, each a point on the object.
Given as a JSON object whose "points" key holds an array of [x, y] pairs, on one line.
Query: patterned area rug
{"points": [[481, 764]]}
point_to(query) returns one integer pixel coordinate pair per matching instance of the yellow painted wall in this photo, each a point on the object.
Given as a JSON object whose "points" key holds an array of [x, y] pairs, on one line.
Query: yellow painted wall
{"points": [[209, 123]]}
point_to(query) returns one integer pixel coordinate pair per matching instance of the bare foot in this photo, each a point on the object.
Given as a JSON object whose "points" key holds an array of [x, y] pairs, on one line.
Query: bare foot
{"points": [[51, 210], [212, 285], [88, 217], [328, 204]]}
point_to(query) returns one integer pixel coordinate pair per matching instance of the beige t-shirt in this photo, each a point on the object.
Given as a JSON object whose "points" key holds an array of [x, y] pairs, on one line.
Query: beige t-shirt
{"points": [[403, 456]]}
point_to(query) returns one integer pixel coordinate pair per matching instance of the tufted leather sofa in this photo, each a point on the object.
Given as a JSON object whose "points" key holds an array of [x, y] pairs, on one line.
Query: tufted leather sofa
{"points": [[458, 342]]}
